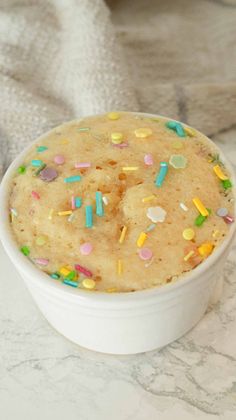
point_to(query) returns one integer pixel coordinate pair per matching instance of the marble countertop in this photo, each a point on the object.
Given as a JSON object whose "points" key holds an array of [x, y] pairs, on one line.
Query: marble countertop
{"points": [[44, 376]]}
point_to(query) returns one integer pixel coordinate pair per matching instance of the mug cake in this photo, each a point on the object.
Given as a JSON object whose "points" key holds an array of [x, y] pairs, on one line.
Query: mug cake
{"points": [[120, 202]]}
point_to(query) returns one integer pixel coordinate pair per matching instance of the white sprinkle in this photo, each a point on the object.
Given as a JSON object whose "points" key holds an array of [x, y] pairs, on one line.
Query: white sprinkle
{"points": [[105, 200], [183, 207], [71, 217], [149, 263], [14, 212]]}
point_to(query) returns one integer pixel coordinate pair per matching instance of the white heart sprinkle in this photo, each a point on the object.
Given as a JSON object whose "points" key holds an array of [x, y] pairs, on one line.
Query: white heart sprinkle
{"points": [[156, 214]]}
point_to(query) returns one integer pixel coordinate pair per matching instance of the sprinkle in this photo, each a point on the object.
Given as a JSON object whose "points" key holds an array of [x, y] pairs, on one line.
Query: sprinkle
{"points": [[188, 234], [189, 255], [113, 115], [70, 283], [89, 216], [40, 169], [228, 219], [178, 144], [218, 171], [119, 267], [116, 137], [64, 271], [183, 207], [73, 178], [177, 127], [82, 165], [162, 174], [105, 200], [190, 132], [178, 161], [83, 270], [35, 195], [73, 202], [59, 159], [123, 234], [71, 217], [143, 133], [121, 145], [141, 239], [145, 254], [150, 227], [149, 263], [226, 183], [13, 212], [40, 240], [205, 249], [130, 168], [36, 162], [51, 211], [78, 202], [72, 275], [201, 208], [222, 212], [200, 219], [64, 213], [89, 283], [25, 250], [86, 248], [21, 169], [41, 261], [149, 198], [99, 204], [148, 159], [83, 129], [55, 276], [156, 214], [41, 149], [48, 174]]}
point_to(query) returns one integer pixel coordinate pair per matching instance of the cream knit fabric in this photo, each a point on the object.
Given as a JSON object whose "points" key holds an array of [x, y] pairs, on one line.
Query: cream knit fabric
{"points": [[61, 59]]}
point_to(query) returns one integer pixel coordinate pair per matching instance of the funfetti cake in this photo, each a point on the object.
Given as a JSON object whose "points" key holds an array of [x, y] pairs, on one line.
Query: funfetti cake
{"points": [[120, 202]]}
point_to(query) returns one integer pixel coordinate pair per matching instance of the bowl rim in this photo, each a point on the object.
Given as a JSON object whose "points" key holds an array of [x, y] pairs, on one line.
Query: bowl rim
{"points": [[103, 297]]}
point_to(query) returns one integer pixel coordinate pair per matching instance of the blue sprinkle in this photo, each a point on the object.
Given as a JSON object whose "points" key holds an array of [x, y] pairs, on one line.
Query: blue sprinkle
{"points": [[99, 204], [55, 276], [177, 127], [70, 282], [36, 162], [161, 174], [41, 149], [72, 178], [78, 202], [89, 216]]}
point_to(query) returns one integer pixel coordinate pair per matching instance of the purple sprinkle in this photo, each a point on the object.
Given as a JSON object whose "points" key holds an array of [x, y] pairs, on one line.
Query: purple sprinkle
{"points": [[228, 219], [41, 261], [48, 174]]}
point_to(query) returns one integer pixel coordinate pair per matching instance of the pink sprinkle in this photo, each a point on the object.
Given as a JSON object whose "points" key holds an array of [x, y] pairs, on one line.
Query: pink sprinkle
{"points": [[82, 165], [41, 261], [228, 219], [59, 159], [86, 248], [121, 145], [73, 203], [145, 254], [83, 270], [148, 159], [35, 195]]}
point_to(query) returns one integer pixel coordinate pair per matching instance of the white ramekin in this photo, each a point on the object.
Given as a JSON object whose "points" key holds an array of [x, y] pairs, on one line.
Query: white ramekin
{"points": [[118, 323]]}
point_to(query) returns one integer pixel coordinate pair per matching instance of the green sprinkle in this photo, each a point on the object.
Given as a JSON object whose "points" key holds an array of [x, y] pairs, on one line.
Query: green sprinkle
{"points": [[25, 250], [21, 169], [40, 169], [201, 219], [41, 149], [83, 129], [55, 276], [226, 183], [71, 275]]}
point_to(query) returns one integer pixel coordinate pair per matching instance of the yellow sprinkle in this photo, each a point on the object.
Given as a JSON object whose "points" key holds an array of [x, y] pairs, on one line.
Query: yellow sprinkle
{"points": [[130, 168], [64, 271], [89, 283], [142, 133], [119, 267], [141, 239], [116, 138], [64, 213], [113, 115], [149, 198], [216, 234], [188, 234], [205, 249], [218, 171], [189, 255], [51, 211], [201, 208], [122, 235], [190, 132], [177, 144], [111, 290]]}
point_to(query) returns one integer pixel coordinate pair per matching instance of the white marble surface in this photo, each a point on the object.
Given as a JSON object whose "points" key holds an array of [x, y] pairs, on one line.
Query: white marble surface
{"points": [[44, 376]]}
